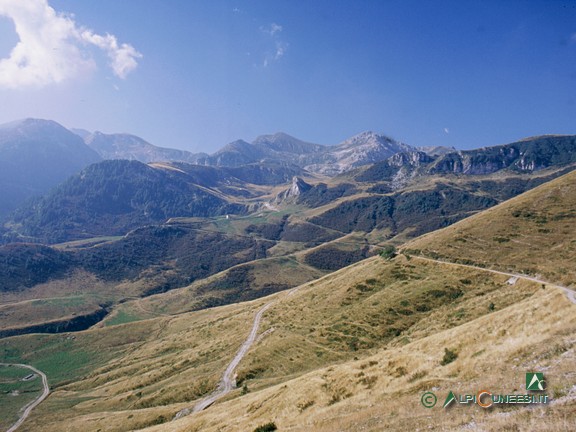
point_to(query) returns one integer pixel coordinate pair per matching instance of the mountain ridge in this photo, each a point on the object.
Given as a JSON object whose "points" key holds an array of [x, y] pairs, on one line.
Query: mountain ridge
{"points": [[132, 147], [36, 155]]}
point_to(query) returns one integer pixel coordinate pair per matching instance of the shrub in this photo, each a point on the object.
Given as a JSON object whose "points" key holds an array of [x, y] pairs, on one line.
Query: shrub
{"points": [[369, 381], [303, 405], [388, 252], [417, 375], [449, 356], [268, 427]]}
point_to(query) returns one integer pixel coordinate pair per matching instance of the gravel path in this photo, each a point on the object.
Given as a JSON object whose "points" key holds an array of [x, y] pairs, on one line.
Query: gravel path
{"points": [[28, 408]]}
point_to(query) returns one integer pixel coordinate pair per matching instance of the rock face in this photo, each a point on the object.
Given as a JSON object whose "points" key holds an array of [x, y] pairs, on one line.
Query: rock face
{"points": [[529, 155], [368, 147], [363, 149], [77, 323], [397, 169], [297, 188], [412, 159], [436, 150]]}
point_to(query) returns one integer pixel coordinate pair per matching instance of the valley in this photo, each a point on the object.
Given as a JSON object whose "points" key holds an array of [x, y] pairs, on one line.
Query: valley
{"points": [[286, 282]]}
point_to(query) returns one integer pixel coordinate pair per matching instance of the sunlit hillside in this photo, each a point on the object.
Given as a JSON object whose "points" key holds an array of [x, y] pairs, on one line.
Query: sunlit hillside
{"points": [[533, 234], [353, 350]]}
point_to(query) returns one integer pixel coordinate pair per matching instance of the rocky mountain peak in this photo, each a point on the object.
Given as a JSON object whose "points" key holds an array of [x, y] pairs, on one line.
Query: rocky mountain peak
{"points": [[298, 187]]}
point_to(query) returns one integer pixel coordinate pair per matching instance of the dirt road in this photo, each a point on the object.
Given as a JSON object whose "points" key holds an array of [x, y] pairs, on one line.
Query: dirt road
{"points": [[569, 293], [28, 408], [228, 382]]}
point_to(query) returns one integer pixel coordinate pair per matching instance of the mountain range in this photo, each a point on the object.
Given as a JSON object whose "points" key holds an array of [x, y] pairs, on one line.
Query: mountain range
{"points": [[265, 200], [359, 150], [318, 284], [36, 155]]}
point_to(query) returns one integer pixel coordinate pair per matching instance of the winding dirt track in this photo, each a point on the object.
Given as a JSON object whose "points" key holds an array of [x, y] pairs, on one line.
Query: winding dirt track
{"points": [[227, 382], [569, 293], [28, 408]]}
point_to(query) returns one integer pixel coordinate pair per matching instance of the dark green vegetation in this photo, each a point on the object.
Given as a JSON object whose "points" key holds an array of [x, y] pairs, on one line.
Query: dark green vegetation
{"points": [[449, 356], [170, 255], [418, 211], [116, 196], [26, 265], [113, 197], [388, 252], [321, 194], [268, 427], [333, 257]]}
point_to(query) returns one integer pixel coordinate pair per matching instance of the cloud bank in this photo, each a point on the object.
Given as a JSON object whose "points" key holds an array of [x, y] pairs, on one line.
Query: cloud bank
{"points": [[52, 48]]}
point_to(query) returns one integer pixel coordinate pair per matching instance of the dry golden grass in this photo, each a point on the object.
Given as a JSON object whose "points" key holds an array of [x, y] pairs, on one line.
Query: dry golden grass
{"points": [[288, 270], [353, 350], [370, 305], [163, 363], [382, 392], [167, 363]]}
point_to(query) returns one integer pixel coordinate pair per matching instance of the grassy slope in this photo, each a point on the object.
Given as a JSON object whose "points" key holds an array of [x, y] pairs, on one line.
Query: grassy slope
{"points": [[382, 392], [79, 293], [494, 351], [533, 233], [242, 280], [144, 372], [16, 393]]}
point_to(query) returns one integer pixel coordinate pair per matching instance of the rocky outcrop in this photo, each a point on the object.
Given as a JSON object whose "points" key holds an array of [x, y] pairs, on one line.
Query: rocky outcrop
{"points": [[528, 155], [297, 188]]}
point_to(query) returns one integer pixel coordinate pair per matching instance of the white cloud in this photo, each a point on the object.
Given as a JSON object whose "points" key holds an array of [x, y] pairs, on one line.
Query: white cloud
{"points": [[446, 130], [122, 57], [53, 48], [275, 28], [280, 47], [272, 29], [573, 38]]}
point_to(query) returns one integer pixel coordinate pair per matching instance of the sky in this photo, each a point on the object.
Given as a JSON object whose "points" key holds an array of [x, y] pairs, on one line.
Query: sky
{"points": [[197, 75]]}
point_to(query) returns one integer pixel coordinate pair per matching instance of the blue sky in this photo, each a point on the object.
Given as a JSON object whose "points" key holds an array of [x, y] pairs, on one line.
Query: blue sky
{"points": [[199, 74]]}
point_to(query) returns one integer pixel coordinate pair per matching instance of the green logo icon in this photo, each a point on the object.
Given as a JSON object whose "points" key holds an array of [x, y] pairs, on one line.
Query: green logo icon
{"points": [[428, 399], [449, 399], [535, 381]]}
